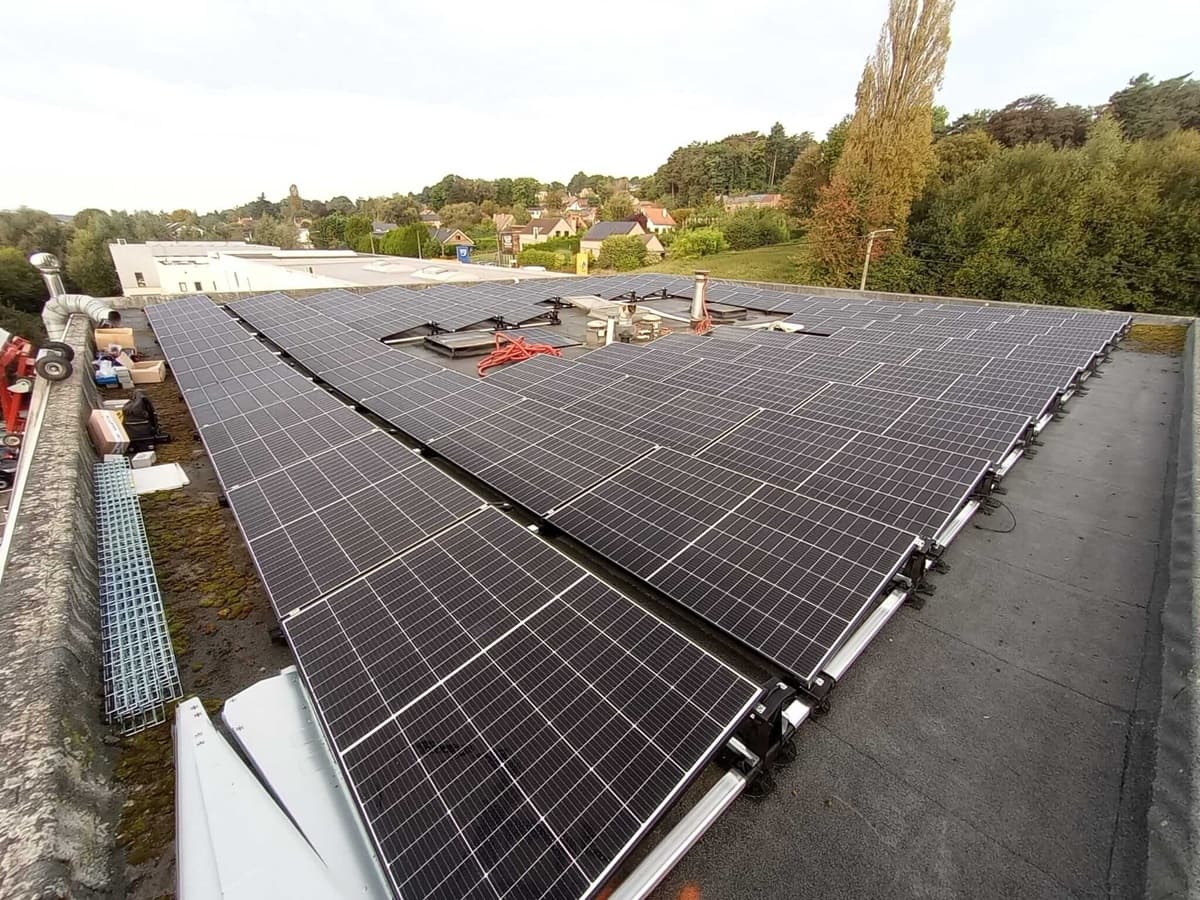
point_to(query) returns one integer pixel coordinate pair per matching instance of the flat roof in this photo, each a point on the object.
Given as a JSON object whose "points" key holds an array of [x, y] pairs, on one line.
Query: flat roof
{"points": [[389, 270], [1001, 734]]}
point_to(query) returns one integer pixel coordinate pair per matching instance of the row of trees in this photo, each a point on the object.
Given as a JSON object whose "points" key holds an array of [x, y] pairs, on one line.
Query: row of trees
{"points": [[1036, 202]]}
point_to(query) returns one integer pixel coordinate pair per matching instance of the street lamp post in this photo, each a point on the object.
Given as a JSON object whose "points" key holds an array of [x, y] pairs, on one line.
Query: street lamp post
{"points": [[867, 258]]}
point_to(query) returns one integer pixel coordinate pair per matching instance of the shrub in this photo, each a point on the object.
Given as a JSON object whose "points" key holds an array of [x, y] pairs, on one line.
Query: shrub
{"points": [[698, 242], [538, 257], [749, 228], [622, 253]]}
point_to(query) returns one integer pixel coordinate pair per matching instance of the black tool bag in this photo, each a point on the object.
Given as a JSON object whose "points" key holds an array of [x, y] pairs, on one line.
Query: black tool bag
{"points": [[141, 423]]}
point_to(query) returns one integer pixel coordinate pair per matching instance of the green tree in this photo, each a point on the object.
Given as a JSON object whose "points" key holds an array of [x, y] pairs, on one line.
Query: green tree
{"points": [[1109, 224], [622, 252], [972, 121], [577, 183], [889, 145], [341, 204], [525, 191], [90, 265], [618, 208], [329, 232], [357, 232], [555, 199], [461, 215], [33, 231], [399, 210], [1148, 110], [275, 233], [410, 240], [1036, 119], [808, 174], [21, 286], [755, 227], [835, 142], [698, 242]]}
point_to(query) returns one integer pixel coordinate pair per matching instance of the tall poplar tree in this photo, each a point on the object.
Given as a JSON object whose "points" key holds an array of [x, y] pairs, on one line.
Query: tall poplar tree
{"points": [[889, 145]]}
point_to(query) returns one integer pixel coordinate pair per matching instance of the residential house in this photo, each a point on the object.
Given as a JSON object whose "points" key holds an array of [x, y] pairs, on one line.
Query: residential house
{"points": [[430, 218], [658, 220], [516, 238], [503, 221], [590, 243], [455, 237], [379, 229], [748, 201], [654, 247]]}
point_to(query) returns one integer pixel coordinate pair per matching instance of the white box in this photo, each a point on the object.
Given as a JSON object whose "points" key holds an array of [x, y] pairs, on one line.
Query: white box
{"points": [[143, 460]]}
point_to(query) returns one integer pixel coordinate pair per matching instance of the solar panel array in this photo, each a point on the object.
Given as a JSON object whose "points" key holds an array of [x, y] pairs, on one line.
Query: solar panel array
{"points": [[509, 724], [395, 310], [875, 422]]}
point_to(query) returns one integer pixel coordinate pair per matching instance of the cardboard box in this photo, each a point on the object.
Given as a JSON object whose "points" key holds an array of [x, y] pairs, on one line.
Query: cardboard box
{"points": [[121, 336], [143, 460], [107, 433], [148, 371]]}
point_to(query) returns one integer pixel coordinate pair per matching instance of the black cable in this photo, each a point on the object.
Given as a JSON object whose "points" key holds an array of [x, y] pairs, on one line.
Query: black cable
{"points": [[1007, 530]]}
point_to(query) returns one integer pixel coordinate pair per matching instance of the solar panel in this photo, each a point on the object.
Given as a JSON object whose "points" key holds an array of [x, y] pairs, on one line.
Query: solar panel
{"points": [[917, 489], [910, 380], [540, 456], [777, 447], [652, 509], [320, 522], [959, 428], [688, 422], [867, 409], [787, 575], [509, 725], [1030, 399]]}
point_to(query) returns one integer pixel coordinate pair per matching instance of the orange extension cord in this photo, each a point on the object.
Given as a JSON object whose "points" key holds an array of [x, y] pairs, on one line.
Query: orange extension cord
{"points": [[513, 349]]}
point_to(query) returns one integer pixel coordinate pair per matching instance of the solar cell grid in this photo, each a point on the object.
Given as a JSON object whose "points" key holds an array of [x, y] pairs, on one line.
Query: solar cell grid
{"points": [[689, 422], [959, 428], [867, 409], [959, 363], [910, 380], [580, 686], [1029, 399], [773, 390], [780, 448], [652, 509], [908, 486], [790, 576]]}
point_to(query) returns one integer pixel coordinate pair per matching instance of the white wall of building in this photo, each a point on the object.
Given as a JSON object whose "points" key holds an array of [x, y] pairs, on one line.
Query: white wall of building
{"points": [[135, 262]]}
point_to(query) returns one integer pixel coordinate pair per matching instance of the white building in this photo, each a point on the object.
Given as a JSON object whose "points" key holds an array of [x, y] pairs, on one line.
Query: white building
{"points": [[193, 267]]}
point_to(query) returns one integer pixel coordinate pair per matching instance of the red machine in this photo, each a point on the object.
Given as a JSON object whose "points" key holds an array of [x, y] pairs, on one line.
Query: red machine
{"points": [[20, 362]]}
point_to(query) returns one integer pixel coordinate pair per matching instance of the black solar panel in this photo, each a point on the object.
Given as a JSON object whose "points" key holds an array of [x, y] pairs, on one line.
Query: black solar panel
{"points": [[917, 489], [509, 725], [779, 448], [538, 455], [867, 409], [787, 575], [652, 509], [958, 428]]}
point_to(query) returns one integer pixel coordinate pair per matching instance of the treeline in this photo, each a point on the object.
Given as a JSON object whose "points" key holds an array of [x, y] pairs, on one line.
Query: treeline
{"points": [[1037, 202]]}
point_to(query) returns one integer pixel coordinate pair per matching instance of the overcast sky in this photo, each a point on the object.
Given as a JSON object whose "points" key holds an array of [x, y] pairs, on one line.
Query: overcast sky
{"points": [[146, 104]]}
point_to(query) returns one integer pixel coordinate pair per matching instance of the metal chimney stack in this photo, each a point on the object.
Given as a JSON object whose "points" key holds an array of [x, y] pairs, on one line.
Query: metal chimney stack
{"points": [[47, 264], [699, 297]]}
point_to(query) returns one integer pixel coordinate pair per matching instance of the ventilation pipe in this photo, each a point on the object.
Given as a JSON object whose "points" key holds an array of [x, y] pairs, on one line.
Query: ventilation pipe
{"points": [[700, 298], [61, 305]]}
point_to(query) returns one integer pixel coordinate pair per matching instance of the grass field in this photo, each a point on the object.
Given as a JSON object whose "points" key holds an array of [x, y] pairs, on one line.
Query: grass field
{"points": [[774, 263]]}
